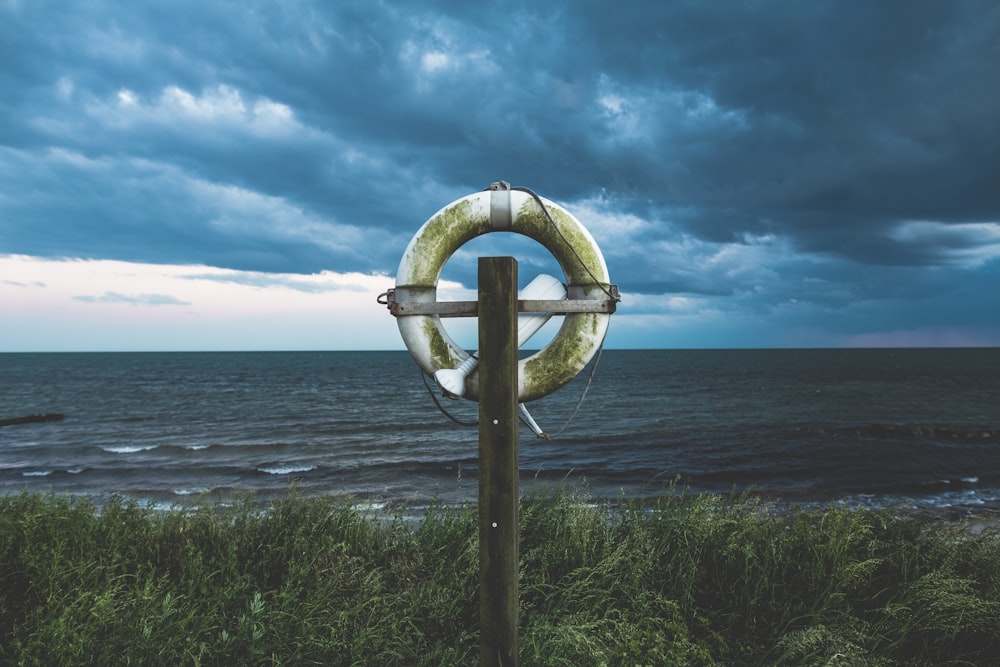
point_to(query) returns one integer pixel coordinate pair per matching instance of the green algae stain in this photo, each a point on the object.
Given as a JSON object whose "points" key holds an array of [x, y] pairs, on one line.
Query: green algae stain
{"points": [[580, 258], [440, 350], [576, 252], [440, 237], [564, 357]]}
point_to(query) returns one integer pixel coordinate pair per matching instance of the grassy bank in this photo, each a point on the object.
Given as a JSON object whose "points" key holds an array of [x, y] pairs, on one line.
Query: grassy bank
{"points": [[689, 581]]}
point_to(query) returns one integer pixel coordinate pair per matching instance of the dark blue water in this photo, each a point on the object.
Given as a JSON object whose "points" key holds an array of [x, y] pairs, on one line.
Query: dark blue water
{"points": [[918, 427]]}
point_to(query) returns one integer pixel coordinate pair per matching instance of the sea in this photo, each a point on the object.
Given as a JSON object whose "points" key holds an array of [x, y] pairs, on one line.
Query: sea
{"points": [[911, 428]]}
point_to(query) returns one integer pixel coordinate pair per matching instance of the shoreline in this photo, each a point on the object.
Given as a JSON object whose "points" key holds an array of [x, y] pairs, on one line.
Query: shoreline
{"points": [[975, 518]]}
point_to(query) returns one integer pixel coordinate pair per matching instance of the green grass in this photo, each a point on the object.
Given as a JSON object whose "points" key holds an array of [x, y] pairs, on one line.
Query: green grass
{"points": [[699, 580]]}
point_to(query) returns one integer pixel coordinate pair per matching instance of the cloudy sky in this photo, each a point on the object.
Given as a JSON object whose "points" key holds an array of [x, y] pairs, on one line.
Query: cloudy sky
{"points": [[245, 175]]}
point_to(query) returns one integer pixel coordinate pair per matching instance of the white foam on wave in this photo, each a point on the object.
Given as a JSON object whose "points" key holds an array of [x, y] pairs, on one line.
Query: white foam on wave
{"points": [[161, 506], [368, 506], [128, 449], [970, 480], [196, 447], [198, 490], [36, 473], [285, 469]]}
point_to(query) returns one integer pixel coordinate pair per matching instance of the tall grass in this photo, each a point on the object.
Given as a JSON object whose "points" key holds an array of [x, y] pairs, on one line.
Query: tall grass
{"points": [[702, 580]]}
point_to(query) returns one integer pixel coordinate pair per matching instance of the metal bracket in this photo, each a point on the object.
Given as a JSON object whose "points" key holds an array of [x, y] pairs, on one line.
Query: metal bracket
{"points": [[471, 308], [500, 214]]}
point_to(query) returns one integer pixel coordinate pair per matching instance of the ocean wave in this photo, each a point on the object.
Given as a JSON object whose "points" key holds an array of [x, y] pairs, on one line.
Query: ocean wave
{"points": [[36, 473], [369, 506], [971, 434], [127, 449], [285, 469], [191, 492]]}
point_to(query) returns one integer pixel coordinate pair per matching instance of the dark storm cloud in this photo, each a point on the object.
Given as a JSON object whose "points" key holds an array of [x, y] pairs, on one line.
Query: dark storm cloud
{"points": [[769, 153]]}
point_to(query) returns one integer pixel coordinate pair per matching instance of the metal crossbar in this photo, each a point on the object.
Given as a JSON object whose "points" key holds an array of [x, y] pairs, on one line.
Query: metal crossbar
{"points": [[471, 308]]}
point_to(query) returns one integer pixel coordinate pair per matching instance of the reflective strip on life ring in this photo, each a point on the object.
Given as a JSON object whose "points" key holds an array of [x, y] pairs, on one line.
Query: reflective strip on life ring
{"points": [[580, 335]]}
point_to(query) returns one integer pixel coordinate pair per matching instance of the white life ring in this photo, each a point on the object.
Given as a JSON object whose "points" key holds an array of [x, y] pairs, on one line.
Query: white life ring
{"points": [[581, 334]]}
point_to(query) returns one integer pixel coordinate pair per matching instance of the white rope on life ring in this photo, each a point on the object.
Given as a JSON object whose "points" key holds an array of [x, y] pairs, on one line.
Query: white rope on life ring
{"points": [[515, 210]]}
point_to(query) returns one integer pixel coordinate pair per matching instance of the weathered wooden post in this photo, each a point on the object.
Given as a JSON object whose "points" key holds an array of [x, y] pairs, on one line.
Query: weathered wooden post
{"points": [[496, 377], [498, 462]]}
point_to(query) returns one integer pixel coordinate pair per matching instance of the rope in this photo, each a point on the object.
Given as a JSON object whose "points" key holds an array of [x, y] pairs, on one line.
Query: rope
{"points": [[441, 407], [548, 216], [600, 349], [583, 394]]}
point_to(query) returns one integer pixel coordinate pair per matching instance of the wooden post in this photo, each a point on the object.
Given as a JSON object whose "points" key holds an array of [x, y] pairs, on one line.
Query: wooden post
{"points": [[498, 464]]}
